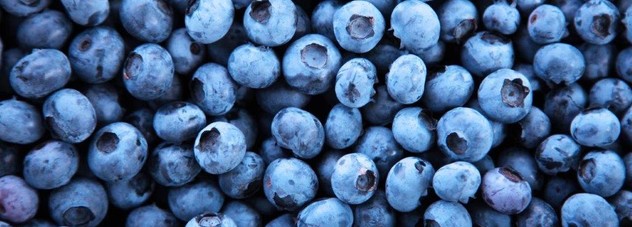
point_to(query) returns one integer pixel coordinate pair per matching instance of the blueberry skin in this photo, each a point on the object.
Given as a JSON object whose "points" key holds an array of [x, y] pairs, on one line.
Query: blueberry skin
{"points": [[563, 104], [456, 182], [611, 93], [128, 194], [379, 144], [323, 18], [574, 212], [105, 101], [69, 123], [325, 168], [135, 16], [281, 221], [485, 164], [505, 96], [20, 122], [547, 24], [463, 134], [245, 179], [601, 173], [627, 160], [324, 212], [557, 154], [595, 127], [148, 72], [523, 163], [10, 158], [444, 213], [143, 120], [486, 52], [597, 21], [501, 17], [194, 198], [407, 182], [289, 183], [8, 59], [414, 130], [219, 147], [173, 94], [280, 95], [527, 6], [117, 152], [212, 89], [19, 201], [358, 26], [89, 13], [343, 126], [448, 87], [245, 122], [621, 203], [406, 79], [310, 64], [82, 202], [355, 178], [499, 129], [40, 73], [622, 64], [299, 131], [151, 215], [416, 25], [303, 24], [458, 19], [47, 29], [51, 164], [558, 189], [187, 54], [433, 55], [242, 214], [483, 215], [374, 212], [627, 23], [173, 165], [96, 54], [505, 190], [525, 47], [538, 213], [207, 21], [179, 121], [220, 50], [559, 63], [240, 4], [211, 219], [20, 8], [534, 128], [270, 22], [600, 60], [355, 81], [254, 66], [383, 109]]}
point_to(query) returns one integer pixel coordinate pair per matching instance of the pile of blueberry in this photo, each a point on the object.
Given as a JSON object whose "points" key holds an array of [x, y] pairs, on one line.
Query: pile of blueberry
{"points": [[315, 113]]}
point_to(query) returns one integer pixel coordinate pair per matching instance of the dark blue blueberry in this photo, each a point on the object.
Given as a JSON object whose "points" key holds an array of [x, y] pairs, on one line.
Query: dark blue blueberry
{"points": [[310, 64], [463, 134], [597, 21], [48, 29], [627, 22], [414, 130], [87, 13], [289, 183], [505, 96], [557, 154], [527, 6], [600, 60], [147, 20], [358, 26], [499, 129], [382, 109], [343, 126], [242, 214], [601, 173], [299, 131], [547, 24], [525, 47], [527, 71], [240, 4], [143, 120], [96, 54], [407, 182], [20, 122], [211, 219], [355, 81], [459, 20], [622, 203], [212, 89], [534, 128], [538, 213], [444, 213], [416, 25], [323, 18], [82, 202], [173, 94], [456, 182], [523, 163], [278, 96], [502, 17], [40, 73], [434, 54], [246, 123], [22, 8], [325, 168], [558, 189], [105, 101], [117, 152], [559, 63], [178, 121], [19, 202], [51, 164], [325, 212], [611, 93], [385, 6], [151, 215], [282, 221], [244, 180], [595, 127], [270, 22], [379, 144], [254, 66], [575, 212], [128, 194], [187, 54], [219, 147], [148, 71], [483, 215], [449, 87], [10, 158], [486, 52], [35, 223], [173, 165], [563, 104], [505, 190], [192, 199], [623, 64], [355, 178], [208, 20], [569, 7], [374, 212], [9, 58], [261, 204], [220, 50], [405, 81], [485, 164], [69, 123]]}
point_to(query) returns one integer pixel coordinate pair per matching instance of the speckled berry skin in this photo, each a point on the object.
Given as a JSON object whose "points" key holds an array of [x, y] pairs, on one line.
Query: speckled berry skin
{"points": [[416, 24], [505, 96], [444, 213], [504, 190], [559, 63], [324, 212], [358, 26], [173, 165], [597, 21], [244, 180], [96, 55], [595, 127], [464, 134], [343, 126], [546, 24], [117, 152], [219, 147], [407, 182], [310, 64], [69, 123], [270, 22], [601, 172], [254, 66], [456, 182], [299, 131], [135, 15], [406, 79], [289, 183], [355, 81], [486, 52], [20, 122], [148, 72], [195, 198], [355, 178], [414, 130], [81, 202], [18, 200], [26, 76], [213, 90], [574, 212], [207, 21], [51, 164]]}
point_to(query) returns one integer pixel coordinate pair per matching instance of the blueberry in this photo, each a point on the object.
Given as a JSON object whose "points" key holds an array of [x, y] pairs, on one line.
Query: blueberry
{"points": [[505, 190], [527, 6], [147, 20], [523, 163], [416, 25], [600, 60], [20, 122], [379, 144], [595, 127], [310, 64], [281, 221], [82, 202], [207, 21], [151, 215], [559, 63], [245, 122], [343, 126], [40, 73], [538, 213], [374, 212], [502, 17], [597, 21], [505, 96], [69, 123], [242, 214], [486, 52], [325, 168], [483, 215], [174, 93], [557, 154], [525, 47], [627, 23], [212, 89], [407, 182], [463, 134], [192, 199], [117, 152], [148, 72], [433, 55], [323, 18], [289, 183], [128, 194], [51, 164], [219, 147], [244, 180], [611, 93], [547, 24], [21, 8], [220, 50], [105, 101], [563, 104], [405, 81], [172, 165], [324, 212], [47, 29], [89, 13], [96, 54], [448, 87], [383, 108], [240, 4], [10, 158], [599, 213], [499, 129], [527, 71], [254, 66], [19, 202], [414, 130], [622, 204], [444, 213], [485, 164], [299, 131], [280, 95], [178, 121], [358, 26], [458, 19], [559, 189], [456, 182], [534, 128], [601, 173], [211, 219], [187, 54], [7, 60], [622, 64], [355, 178], [262, 206], [270, 22], [143, 120], [355, 81]]}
